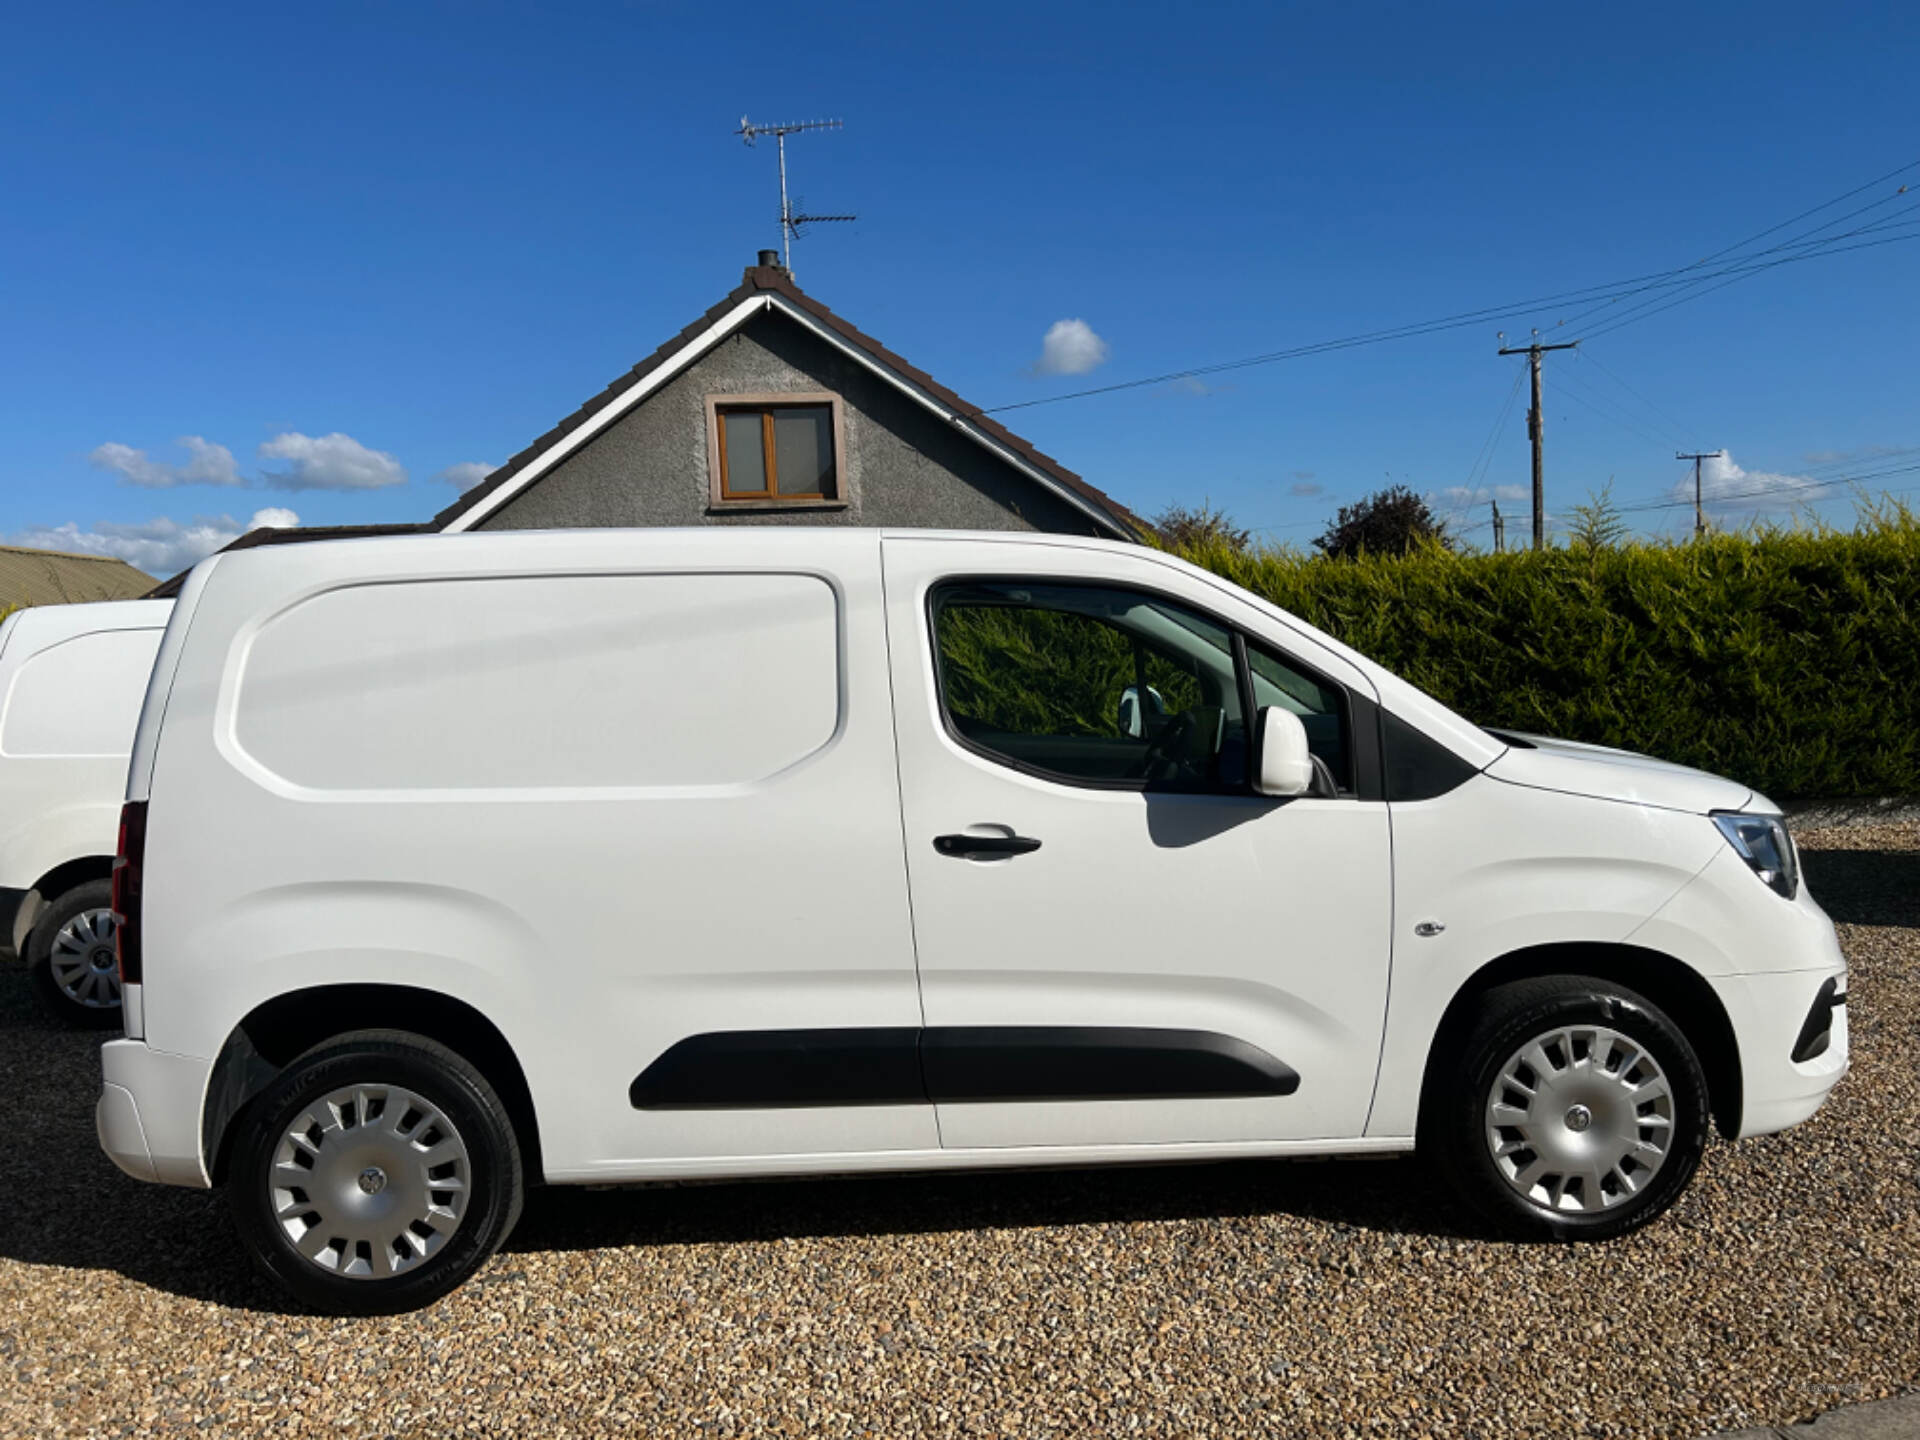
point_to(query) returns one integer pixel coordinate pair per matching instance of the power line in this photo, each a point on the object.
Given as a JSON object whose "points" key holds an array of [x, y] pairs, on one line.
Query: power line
{"points": [[1797, 241], [1628, 318], [1876, 458], [1857, 190], [1587, 357], [1561, 387], [1483, 458], [1684, 277], [1776, 492]]}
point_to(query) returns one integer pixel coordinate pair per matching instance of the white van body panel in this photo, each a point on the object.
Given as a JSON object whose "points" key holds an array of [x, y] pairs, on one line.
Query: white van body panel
{"points": [[1504, 868], [617, 789], [1608, 774], [71, 682], [420, 776]]}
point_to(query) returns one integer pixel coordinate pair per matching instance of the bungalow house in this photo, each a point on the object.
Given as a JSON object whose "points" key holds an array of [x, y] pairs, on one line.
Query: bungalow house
{"points": [[770, 410]]}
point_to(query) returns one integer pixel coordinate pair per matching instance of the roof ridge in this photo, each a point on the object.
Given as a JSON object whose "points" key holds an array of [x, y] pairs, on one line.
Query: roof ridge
{"points": [[65, 554]]}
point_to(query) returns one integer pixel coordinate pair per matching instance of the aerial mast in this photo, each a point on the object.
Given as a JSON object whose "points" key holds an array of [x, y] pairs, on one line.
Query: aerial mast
{"points": [[791, 221]]}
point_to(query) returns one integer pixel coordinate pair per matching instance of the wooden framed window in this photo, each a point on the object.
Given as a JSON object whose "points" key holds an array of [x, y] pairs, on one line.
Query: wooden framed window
{"points": [[775, 451]]}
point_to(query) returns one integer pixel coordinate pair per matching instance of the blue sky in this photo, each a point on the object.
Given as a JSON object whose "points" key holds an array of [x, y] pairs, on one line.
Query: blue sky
{"points": [[344, 249]]}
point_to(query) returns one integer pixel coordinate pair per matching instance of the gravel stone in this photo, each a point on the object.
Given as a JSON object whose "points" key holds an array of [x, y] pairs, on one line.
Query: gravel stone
{"points": [[1338, 1299]]}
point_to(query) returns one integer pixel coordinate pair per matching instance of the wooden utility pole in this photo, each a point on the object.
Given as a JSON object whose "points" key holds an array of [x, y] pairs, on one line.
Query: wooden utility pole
{"points": [[1699, 511], [1536, 429], [1499, 529]]}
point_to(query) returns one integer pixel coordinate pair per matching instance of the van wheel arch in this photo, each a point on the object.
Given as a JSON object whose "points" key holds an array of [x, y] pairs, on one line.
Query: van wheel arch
{"points": [[51, 886], [1673, 985], [274, 1034]]}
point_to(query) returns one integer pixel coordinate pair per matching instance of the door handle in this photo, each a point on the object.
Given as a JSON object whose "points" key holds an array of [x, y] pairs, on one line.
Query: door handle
{"points": [[970, 847]]}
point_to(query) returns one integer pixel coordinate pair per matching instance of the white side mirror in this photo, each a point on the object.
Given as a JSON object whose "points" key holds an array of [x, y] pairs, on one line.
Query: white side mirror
{"points": [[1286, 767]]}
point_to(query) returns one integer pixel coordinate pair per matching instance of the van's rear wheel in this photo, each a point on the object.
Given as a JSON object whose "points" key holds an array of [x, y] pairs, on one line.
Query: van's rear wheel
{"points": [[71, 958], [375, 1173], [1577, 1110]]}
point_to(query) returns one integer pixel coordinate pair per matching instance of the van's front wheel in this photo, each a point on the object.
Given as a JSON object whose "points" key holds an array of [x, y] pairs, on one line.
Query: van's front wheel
{"points": [[375, 1173], [1577, 1110]]}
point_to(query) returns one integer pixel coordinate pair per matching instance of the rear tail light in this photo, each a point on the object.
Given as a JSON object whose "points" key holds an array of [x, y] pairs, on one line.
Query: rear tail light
{"points": [[127, 866]]}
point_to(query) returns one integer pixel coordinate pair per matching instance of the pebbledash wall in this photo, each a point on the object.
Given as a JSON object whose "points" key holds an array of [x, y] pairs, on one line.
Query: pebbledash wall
{"points": [[903, 465]]}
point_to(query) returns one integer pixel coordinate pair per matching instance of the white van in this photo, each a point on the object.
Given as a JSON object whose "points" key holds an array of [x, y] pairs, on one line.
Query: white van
{"points": [[455, 863], [71, 680]]}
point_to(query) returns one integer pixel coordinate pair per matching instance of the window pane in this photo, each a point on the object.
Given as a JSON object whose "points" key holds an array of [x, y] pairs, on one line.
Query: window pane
{"points": [[746, 455], [1321, 708], [803, 450], [1091, 683]]}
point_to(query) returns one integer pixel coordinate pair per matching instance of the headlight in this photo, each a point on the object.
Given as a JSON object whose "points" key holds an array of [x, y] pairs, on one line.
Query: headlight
{"points": [[1762, 841]]}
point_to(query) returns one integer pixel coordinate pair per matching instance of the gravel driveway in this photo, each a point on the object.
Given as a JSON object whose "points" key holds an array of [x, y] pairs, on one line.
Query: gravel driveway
{"points": [[1322, 1299]]}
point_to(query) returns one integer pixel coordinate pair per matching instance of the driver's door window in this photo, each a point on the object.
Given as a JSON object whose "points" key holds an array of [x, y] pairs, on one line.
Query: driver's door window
{"points": [[1091, 684]]}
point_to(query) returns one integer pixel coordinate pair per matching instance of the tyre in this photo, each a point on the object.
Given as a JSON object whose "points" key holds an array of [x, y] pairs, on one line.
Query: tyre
{"points": [[374, 1174], [71, 958], [1573, 1109]]}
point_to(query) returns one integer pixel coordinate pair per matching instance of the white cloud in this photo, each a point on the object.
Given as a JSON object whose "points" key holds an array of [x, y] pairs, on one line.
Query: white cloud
{"points": [[466, 474], [1070, 348], [1306, 487], [329, 462], [1725, 486], [1186, 384], [1480, 494], [160, 546], [207, 464]]}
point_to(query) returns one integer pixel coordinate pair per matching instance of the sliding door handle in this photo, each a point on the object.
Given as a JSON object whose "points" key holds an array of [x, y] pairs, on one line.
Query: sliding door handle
{"points": [[977, 847]]}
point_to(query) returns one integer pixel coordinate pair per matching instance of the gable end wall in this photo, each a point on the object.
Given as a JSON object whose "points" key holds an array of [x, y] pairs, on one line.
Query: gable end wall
{"points": [[905, 466]]}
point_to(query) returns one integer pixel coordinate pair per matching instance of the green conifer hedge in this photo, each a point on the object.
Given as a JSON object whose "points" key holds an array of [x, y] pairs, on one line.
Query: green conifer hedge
{"points": [[1788, 660]]}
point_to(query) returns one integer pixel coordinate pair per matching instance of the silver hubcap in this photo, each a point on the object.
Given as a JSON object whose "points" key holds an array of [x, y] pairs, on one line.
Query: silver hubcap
{"points": [[1580, 1119], [84, 964], [369, 1181]]}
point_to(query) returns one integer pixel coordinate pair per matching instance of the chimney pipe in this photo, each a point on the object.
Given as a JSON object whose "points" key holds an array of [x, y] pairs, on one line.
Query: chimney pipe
{"points": [[769, 259]]}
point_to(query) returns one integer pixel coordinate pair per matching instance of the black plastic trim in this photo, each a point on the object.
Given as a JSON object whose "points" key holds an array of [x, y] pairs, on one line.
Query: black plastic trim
{"points": [[1510, 737], [972, 1063], [953, 1064], [766, 1069], [1817, 1031], [1369, 775], [1419, 767]]}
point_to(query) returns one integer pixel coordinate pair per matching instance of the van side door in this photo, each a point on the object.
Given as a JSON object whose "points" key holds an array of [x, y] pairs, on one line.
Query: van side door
{"points": [[1119, 942]]}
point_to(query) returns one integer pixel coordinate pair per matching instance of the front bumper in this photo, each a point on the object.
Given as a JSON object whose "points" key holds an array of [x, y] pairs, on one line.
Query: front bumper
{"points": [[148, 1117], [1769, 1014]]}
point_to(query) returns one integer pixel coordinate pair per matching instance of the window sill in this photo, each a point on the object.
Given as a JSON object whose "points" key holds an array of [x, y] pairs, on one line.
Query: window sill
{"points": [[741, 507]]}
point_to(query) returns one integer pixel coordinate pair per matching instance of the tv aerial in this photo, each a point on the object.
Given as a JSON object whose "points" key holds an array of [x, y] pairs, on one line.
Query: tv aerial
{"points": [[793, 223]]}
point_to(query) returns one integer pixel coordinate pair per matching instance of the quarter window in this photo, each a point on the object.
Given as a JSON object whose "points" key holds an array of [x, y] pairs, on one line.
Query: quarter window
{"points": [[1321, 707], [770, 452]]}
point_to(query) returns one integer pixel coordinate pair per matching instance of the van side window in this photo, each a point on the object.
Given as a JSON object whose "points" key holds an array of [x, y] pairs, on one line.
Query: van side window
{"points": [[1322, 708], [1090, 683]]}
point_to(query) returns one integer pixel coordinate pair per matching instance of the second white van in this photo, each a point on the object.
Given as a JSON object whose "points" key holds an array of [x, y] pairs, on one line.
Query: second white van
{"points": [[71, 682], [452, 864]]}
